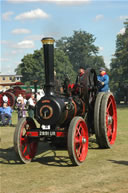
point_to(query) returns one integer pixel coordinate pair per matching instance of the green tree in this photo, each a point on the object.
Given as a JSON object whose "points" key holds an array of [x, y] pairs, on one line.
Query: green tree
{"points": [[119, 63], [69, 54], [63, 65], [32, 68], [81, 50]]}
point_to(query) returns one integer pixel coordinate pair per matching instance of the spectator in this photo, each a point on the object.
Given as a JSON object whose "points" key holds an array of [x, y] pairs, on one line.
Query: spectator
{"points": [[19, 98], [21, 107], [31, 105], [25, 100], [5, 99], [39, 95], [5, 114], [103, 80]]}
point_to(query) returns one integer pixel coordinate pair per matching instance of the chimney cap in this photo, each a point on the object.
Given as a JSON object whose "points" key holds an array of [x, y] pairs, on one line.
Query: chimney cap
{"points": [[48, 40]]}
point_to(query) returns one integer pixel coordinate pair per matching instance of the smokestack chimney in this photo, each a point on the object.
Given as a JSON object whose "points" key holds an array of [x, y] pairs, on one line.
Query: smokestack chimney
{"points": [[48, 46]]}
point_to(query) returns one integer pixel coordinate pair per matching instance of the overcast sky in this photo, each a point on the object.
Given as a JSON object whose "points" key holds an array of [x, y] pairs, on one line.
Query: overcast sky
{"points": [[25, 22]]}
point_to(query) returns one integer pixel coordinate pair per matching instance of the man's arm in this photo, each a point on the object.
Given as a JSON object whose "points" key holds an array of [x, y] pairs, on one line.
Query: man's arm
{"points": [[106, 79]]}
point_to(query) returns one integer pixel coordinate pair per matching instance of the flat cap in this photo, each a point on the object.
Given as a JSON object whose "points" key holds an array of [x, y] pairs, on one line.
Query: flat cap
{"points": [[102, 69]]}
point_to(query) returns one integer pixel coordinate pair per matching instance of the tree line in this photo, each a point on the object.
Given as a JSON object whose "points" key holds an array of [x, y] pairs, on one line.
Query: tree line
{"points": [[72, 52], [119, 62]]}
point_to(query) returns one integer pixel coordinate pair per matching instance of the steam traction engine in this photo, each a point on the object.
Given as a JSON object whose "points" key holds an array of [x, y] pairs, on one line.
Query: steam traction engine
{"points": [[69, 117]]}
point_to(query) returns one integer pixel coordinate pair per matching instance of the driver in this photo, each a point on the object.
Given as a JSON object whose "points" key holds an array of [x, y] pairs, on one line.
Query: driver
{"points": [[81, 74], [103, 79]]}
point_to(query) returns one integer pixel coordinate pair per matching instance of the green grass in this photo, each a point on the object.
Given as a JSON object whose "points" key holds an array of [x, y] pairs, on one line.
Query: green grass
{"points": [[104, 170], [123, 118]]}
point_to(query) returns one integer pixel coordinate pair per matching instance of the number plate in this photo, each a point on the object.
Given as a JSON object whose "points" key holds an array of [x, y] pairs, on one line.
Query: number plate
{"points": [[47, 133], [45, 127]]}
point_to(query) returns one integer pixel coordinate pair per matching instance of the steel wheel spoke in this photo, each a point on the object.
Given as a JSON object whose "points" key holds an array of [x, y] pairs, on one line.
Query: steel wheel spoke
{"points": [[78, 130], [78, 140], [23, 140], [109, 131], [25, 149], [79, 146], [110, 102], [79, 151]]}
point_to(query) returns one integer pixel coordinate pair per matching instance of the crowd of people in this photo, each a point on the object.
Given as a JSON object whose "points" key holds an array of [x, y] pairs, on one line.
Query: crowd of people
{"points": [[26, 107], [23, 107]]}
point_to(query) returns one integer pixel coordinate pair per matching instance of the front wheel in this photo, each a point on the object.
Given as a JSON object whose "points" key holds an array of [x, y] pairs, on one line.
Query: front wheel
{"points": [[77, 140], [25, 146]]}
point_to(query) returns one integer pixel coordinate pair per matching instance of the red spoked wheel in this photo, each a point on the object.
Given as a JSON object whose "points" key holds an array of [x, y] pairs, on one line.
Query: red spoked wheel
{"points": [[77, 140], [25, 146], [107, 121]]}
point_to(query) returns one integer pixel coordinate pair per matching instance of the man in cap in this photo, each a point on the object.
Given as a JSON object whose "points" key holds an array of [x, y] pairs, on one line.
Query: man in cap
{"points": [[103, 79], [81, 74], [80, 81]]}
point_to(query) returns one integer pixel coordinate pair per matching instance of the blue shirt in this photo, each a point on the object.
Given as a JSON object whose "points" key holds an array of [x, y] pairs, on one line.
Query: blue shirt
{"points": [[105, 79], [6, 110]]}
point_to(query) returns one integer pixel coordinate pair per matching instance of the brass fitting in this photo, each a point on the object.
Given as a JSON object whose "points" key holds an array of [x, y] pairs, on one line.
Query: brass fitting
{"points": [[47, 40]]}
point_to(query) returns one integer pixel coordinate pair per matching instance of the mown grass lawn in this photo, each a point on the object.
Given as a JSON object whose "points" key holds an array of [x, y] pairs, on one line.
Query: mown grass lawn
{"points": [[104, 170]]}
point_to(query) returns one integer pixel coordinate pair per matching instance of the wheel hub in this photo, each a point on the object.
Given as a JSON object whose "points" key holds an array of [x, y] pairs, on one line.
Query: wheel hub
{"points": [[83, 140], [110, 120]]}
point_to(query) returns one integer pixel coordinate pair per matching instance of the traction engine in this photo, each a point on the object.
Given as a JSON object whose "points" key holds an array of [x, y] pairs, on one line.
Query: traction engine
{"points": [[67, 118]]}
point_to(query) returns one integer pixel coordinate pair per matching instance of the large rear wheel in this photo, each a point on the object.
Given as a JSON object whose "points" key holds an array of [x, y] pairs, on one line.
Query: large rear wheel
{"points": [[77, 140], [105, 120], [25, 146], [97, 110], [108, 122]]}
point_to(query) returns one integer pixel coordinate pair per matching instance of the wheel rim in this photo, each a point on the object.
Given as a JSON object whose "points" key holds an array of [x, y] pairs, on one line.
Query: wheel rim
{"points": [[111, 120], [81, 141], [28, 146]]}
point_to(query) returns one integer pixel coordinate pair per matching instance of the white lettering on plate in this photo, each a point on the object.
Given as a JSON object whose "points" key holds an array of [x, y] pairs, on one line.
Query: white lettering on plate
{"points": [[47, 133]]}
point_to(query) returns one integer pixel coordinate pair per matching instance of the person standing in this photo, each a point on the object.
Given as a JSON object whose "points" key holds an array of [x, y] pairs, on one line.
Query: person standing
{"points": [[80, 82], [21, 107], [5, 99], [103, 80], [39, 95], [81, 75], [31, 105], [19, 98]]}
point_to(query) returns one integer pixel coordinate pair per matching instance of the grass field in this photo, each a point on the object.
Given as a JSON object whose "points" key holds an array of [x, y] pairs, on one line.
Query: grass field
{"points": [[104, 171]]}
